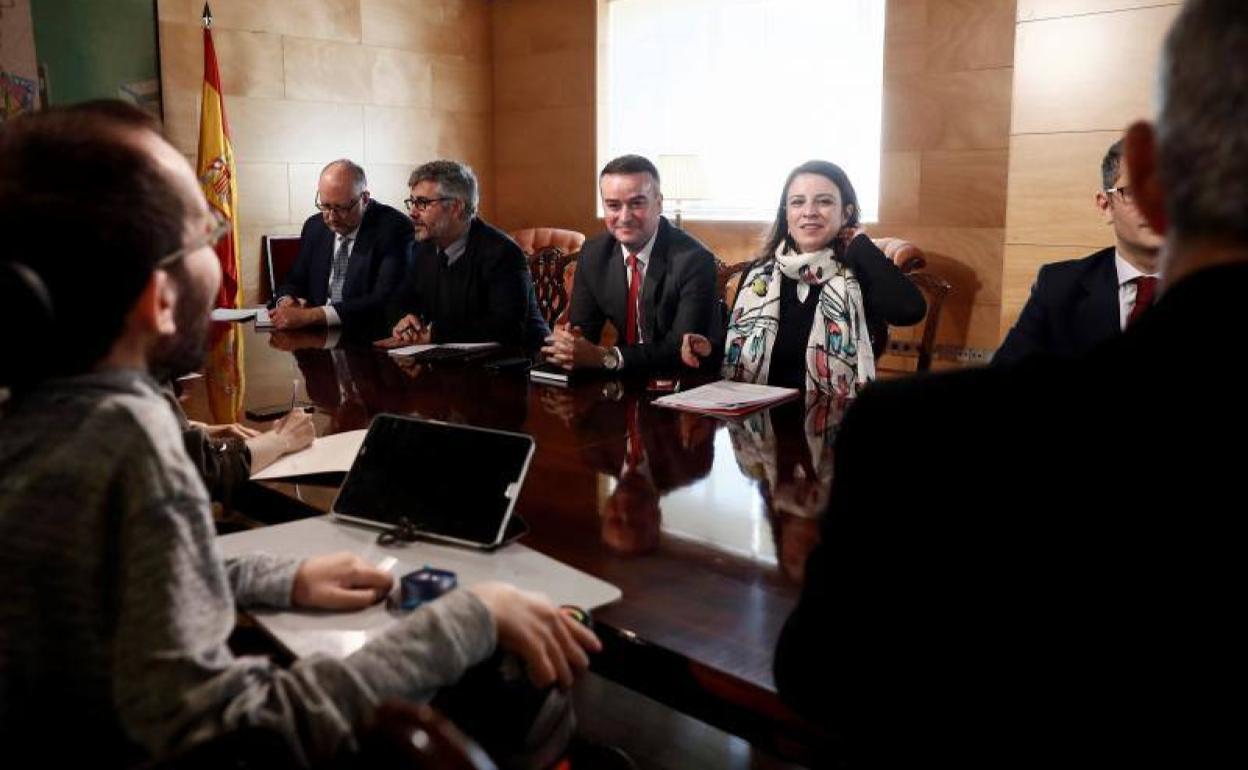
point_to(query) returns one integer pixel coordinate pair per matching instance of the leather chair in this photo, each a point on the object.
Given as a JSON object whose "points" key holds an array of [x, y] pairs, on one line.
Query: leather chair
{"points": [[534, 239], [910, 259], [277, 256], [553, 272], [552, 263]]}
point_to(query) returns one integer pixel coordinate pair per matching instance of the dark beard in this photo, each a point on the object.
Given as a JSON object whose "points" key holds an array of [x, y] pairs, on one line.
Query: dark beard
{"points": [[183, 352]]}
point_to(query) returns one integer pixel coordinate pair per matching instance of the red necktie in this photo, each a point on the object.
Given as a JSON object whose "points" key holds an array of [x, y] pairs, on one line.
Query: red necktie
{"points": [[633, 322], [1145, 289]]}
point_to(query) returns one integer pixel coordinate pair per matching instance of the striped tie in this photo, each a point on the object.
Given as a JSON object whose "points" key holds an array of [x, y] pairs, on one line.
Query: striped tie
{"points": [[338, 275]]}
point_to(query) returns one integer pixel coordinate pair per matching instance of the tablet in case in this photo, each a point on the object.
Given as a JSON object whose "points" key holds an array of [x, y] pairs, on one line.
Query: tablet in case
{"points": [[455, 483]]}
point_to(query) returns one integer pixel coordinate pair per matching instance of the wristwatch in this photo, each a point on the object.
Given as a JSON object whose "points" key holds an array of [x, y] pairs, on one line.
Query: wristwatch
{"points": [[611, 359]]}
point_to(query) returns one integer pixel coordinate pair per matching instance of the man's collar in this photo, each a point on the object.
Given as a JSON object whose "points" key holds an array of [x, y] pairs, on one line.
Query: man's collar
{"points": [[644, 255], [458, 246], [1126, 271]]}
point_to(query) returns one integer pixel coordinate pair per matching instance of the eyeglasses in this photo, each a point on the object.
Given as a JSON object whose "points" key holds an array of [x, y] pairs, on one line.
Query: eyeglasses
{"points": [[420, 204], [1125, 192], [220, 226], [329, 208]]}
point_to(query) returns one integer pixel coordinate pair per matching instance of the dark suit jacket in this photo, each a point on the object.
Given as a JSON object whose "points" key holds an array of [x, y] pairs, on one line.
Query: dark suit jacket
{"points": [[678, 295], [1054, 577], [498, 305], [373, 272], [1073, 307]]}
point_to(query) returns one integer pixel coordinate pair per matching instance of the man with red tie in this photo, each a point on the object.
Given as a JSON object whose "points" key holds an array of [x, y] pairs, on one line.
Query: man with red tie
{"points": [[1078, 304], [653, 282]]}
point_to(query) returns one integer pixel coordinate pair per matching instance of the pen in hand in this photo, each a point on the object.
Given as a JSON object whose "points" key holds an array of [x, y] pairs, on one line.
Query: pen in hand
{"points": [[294, 390]]}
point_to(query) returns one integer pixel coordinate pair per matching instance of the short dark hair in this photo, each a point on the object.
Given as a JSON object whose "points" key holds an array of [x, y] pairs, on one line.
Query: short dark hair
{"points": [[88, 213], [780, 227], [1202, 128], [631, 164], [454, 180], [1111, 165]]}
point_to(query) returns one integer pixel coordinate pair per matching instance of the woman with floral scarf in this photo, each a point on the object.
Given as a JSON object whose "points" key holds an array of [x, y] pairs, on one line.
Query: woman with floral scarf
{"points": [[809, 308]]}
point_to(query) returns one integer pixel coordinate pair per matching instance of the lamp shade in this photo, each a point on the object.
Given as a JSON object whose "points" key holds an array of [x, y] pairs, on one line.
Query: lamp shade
{"points": [[682, 177]]}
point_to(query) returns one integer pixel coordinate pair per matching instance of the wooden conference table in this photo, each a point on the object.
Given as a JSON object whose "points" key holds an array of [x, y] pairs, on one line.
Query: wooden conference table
{"points": [[704, 525]]}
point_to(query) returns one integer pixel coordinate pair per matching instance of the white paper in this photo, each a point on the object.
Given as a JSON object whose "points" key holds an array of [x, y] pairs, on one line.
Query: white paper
{"points": [[233, 314], [470, 345], [328, 454], [725, 396], [262, 318], [411, 350]]}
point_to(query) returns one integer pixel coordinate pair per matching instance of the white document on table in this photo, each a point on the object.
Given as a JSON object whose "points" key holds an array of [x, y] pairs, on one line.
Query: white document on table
{"points": [[234, 314], [726, 397], [328, 454], [412, 350]]}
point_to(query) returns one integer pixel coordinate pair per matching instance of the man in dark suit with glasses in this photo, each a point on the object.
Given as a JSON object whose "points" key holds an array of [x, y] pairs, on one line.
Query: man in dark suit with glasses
{"points": [[1078, 304], [351, 255], [467, 281]]}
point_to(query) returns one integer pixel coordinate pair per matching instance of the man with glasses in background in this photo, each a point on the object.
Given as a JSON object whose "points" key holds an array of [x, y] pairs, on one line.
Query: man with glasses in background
{"points": [[468, 281], [351, 255], [1078, 304]]}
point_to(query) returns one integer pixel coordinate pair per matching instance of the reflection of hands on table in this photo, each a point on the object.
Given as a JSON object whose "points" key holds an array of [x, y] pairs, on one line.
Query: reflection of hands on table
{"points": [[298, 340]]}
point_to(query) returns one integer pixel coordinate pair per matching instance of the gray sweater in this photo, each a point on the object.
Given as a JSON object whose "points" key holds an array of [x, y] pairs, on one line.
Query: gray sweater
{"points": [[116, 604]]}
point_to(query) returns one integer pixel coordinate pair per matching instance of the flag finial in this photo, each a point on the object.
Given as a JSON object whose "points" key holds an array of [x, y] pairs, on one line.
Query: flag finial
{"points": [[207, 17]]}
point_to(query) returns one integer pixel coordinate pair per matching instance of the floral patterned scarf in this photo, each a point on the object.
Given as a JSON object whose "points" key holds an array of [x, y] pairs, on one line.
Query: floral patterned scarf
{"points": [[839, 361]]}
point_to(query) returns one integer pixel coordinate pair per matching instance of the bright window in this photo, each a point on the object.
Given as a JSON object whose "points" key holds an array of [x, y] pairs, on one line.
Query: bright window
{"points": [[751, 88]]}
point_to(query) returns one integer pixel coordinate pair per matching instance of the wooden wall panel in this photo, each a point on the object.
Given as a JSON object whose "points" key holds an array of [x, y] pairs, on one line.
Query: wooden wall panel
{"points": [[969, 34], [1053, 183], [1088, 73], [544, 107]]}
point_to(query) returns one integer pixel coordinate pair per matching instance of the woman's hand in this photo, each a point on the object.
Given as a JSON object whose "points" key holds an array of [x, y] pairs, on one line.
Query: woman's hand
{"points": [[693, 348], [847, 234]]}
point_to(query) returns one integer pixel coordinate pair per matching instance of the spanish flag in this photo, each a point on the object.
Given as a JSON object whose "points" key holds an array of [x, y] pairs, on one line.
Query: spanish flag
{"points": [[223, 376], [215, 168]]}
